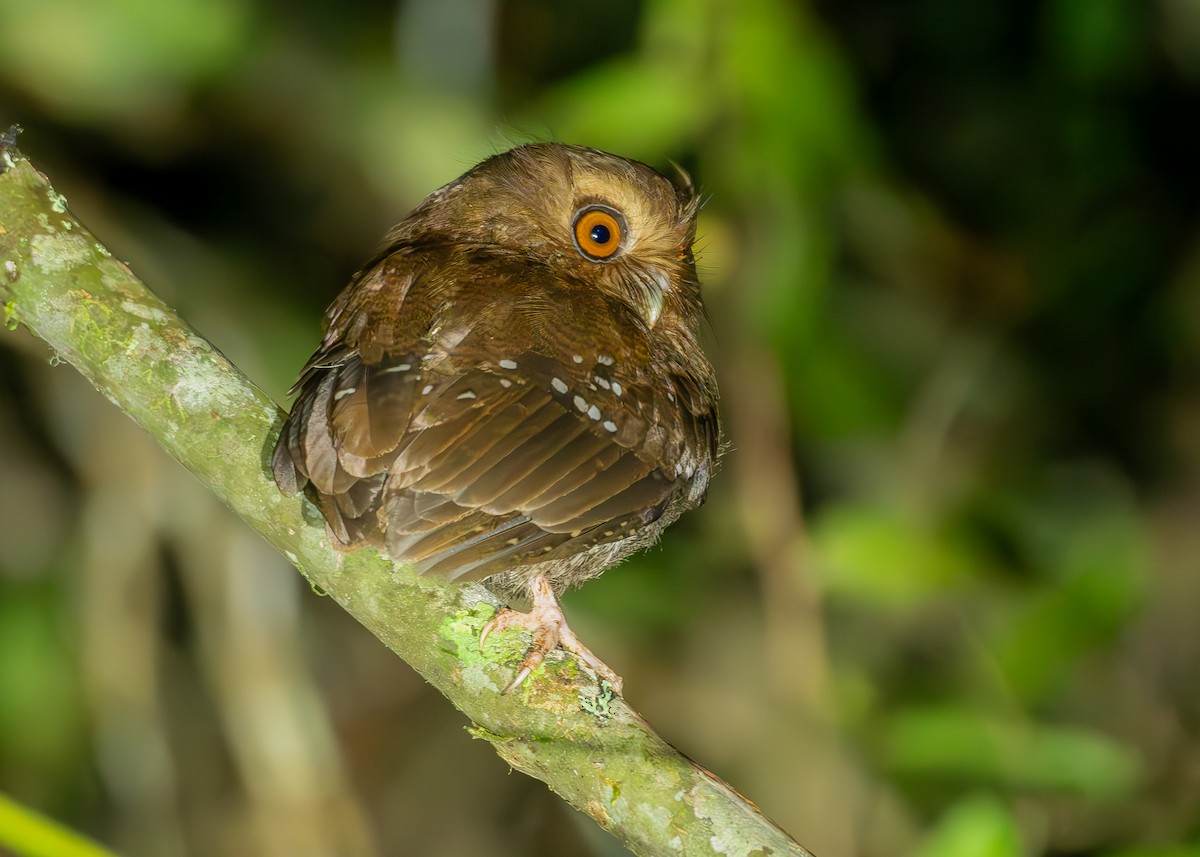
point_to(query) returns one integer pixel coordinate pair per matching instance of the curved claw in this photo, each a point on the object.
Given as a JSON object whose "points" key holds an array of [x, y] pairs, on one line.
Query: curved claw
{"points": [[487, 631], [522, 674]]}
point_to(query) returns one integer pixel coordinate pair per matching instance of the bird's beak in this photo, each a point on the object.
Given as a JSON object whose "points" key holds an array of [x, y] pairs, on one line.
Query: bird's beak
{"points": [[649, 290]]}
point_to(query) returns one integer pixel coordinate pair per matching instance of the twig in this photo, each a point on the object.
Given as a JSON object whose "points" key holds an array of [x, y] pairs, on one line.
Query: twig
{"points": [[29, 834]]}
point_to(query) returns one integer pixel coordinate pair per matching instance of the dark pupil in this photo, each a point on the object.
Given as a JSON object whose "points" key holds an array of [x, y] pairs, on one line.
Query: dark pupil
{"points": [[600, 234]]}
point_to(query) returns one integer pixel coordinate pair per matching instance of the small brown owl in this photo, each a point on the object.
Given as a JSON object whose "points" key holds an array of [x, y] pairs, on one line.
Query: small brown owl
{"points": [[514, 390]]}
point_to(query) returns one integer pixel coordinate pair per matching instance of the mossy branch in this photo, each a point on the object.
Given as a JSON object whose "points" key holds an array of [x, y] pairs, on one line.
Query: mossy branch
{"points": [[560, 726]]}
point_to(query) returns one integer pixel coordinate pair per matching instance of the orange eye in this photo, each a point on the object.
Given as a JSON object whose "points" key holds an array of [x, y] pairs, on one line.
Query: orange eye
{"points": [[598, 232]]}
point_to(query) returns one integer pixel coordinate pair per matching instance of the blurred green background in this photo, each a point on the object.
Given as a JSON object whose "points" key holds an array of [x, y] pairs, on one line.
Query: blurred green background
{"points": [[943, 600]]}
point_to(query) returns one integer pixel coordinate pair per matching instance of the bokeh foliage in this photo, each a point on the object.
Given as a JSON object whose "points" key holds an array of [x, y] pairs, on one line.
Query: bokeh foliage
{"points": [[942, 600]]}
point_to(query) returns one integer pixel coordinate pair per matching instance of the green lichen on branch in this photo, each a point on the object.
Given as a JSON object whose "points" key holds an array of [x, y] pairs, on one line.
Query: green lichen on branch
{"points": [[562, 727], [598, 702]]}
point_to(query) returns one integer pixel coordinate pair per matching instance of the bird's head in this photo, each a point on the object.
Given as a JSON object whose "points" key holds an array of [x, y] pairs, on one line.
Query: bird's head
{"points": [[598, 220]]}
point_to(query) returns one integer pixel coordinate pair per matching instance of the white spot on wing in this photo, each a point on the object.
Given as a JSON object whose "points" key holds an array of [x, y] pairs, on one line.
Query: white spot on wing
{"points": [[558, 384], [605, 360], [594, 412], [344, 392], [609, 425], [580, 403], [468, 394], [508, 364]]}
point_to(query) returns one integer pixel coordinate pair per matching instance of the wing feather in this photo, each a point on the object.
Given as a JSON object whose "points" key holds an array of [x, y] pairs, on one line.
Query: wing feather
{"points": [[414, 434]]}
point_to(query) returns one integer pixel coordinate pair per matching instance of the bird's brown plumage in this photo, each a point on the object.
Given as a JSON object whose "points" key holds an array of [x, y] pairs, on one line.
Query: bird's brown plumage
{"points": [[490, 402]]}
